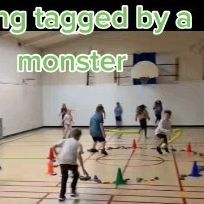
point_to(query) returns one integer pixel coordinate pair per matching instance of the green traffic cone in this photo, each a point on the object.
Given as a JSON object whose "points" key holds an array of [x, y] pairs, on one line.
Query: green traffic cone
{"points": [[119, 178]]}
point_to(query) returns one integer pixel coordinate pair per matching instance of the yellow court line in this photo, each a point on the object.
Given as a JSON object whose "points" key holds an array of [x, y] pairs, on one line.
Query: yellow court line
{"points": [[127, 132]]}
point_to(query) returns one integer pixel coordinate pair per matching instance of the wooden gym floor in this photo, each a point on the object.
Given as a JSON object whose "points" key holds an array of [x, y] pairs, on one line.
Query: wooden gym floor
{"points": [[24, 178]]}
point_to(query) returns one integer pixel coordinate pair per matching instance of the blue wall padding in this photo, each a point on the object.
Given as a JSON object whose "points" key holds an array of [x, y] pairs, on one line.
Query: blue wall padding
{"points": [[150, 81], [150, 56]]}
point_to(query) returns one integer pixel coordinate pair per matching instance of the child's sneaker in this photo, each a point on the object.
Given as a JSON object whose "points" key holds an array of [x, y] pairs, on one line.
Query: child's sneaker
{"points": [[103, 151], [74, 193], [92, 150], [159, 150], [61, 199], [166, 149]]}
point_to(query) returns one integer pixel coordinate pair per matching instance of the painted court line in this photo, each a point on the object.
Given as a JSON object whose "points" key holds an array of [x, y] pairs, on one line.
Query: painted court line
{"points": [[19, 138], [102, 187], [178, 177], [109, 201], [112, 198], [114, 194]]}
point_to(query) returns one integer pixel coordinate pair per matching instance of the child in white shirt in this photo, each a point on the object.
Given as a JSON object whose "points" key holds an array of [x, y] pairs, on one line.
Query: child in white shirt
{"points": [[71, 150], [67, 122], [164, 129]]}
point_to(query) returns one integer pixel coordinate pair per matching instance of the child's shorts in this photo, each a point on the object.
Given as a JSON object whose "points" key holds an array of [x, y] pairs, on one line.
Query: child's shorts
{"points": [[118, 118], [98, 139], [143, 123], [97, 136], [162, 136]]}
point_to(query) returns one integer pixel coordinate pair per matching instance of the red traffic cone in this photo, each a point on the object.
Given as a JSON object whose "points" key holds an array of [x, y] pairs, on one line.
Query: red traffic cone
{"points": [[134, 144], [189, 148], [50, 168], [51, 155]]}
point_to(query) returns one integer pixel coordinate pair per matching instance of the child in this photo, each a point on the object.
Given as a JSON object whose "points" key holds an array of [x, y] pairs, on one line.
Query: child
{"points": [[67, 121], [163, 129], [71, 149], [63, 110], [97, 130], [142, 115], [104, 113], [158, 108], [118, 114]]}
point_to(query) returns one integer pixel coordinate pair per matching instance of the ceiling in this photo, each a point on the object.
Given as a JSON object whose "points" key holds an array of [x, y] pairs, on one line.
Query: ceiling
{"points": [[43, 40], [40, 39]]}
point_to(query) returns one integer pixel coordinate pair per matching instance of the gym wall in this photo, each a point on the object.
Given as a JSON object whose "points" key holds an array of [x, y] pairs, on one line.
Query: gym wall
{"points": [[20, 103]]}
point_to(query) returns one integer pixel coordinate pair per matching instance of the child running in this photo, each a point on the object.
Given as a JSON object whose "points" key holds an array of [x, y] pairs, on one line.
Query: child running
{"points": [[163, 129], [71, 149], [158, 108], [97, 130], [142, 115], [67, 122]]}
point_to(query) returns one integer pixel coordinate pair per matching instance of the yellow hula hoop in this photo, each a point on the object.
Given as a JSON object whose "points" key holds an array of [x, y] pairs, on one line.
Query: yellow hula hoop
{"points": [[127, 132], [177, 133]]}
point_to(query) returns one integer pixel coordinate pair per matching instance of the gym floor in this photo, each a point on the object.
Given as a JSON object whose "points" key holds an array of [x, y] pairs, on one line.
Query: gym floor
{"points": [[24, 178]]}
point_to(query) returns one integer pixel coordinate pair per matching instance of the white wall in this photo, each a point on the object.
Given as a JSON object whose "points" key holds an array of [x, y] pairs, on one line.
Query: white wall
{"points": [[24, 107], [184, 99], [177, 44], [20, 104]]}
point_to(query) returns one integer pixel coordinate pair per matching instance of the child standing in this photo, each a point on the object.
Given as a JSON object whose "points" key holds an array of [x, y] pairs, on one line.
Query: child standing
{"points": [[158, 108], [97, 130], [163, 129], [118, 114], [71, 149], [142, 115], [67, 121]]}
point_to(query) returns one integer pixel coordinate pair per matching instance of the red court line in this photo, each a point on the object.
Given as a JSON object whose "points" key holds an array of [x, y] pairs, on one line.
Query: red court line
{"points": [[133, 151], [128, 161], [126, 165], [178, 177], [43, 198], [111, 199]]}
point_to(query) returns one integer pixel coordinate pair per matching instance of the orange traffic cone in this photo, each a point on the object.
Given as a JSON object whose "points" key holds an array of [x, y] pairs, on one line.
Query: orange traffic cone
{"points": [[134, 145], [51, 155], [189, 148], [50, 168]]}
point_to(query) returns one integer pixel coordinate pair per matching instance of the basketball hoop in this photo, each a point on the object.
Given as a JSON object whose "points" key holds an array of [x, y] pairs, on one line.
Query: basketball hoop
{"points": [[144, 71], [144, 80]]}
